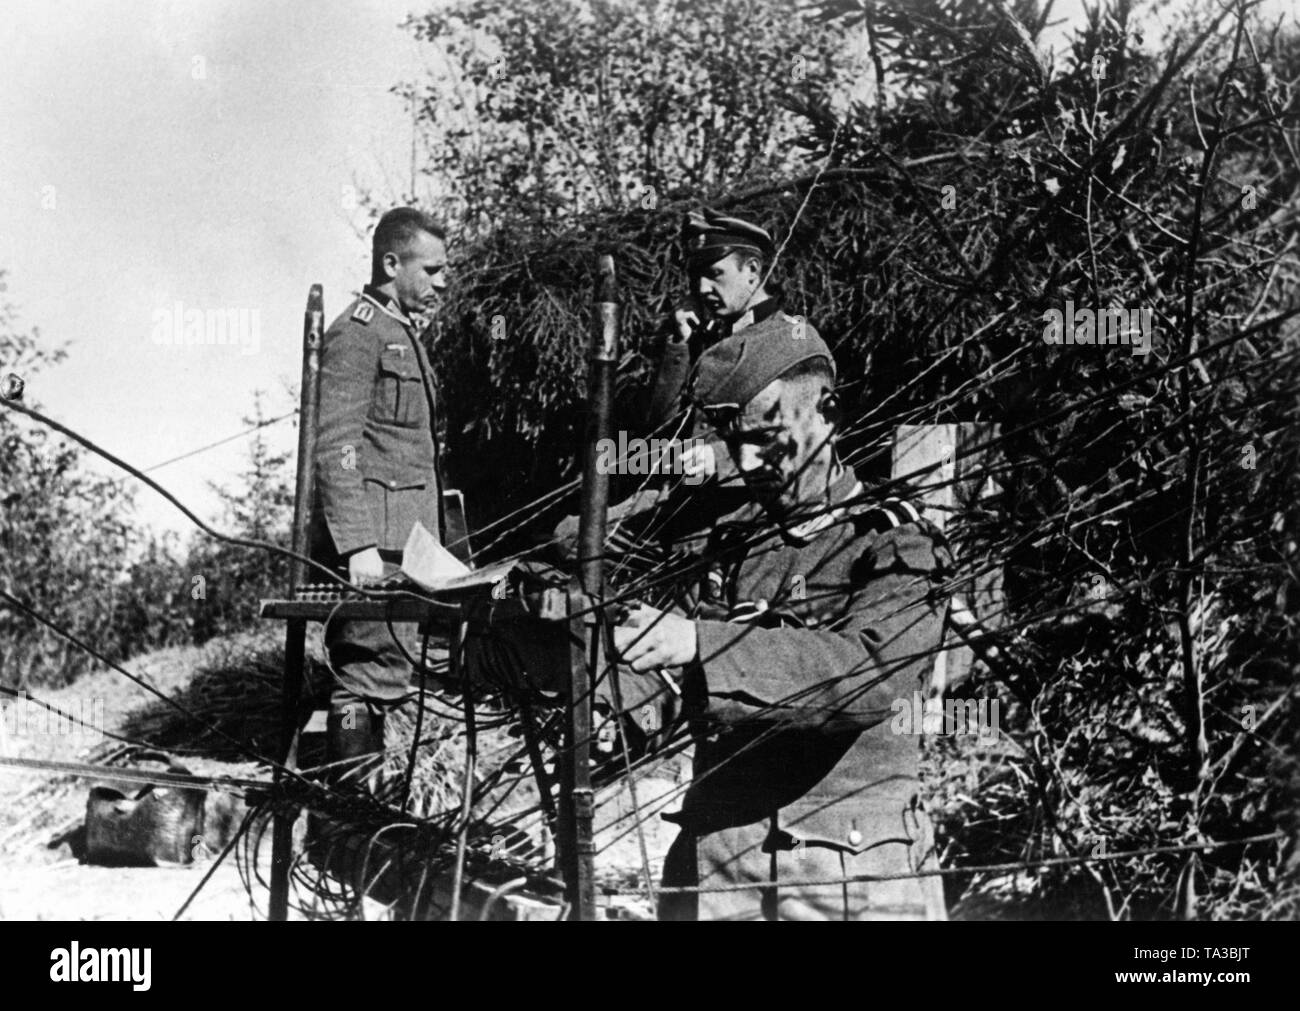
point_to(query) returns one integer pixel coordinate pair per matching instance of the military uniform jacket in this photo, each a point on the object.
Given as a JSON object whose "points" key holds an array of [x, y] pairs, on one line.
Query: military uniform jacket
{"points": [[376, 450], [806, 639]]}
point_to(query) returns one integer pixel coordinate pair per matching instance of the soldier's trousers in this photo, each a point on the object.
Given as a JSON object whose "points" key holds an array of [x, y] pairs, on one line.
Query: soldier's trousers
{"points": [[369, 665], [700, 859]]}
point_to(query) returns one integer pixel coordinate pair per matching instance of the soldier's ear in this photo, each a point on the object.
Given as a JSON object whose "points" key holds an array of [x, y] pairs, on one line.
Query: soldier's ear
{"points": [[829, 406], [391, 262]]}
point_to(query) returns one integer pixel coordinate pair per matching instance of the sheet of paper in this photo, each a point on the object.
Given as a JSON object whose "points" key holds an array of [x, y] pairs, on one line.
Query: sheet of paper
{"points": [[427, 562]]}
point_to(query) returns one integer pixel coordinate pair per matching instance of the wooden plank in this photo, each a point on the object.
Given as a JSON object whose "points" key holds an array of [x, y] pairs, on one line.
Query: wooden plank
{"points": [[947, 467], [407, 609], [925, 457], [977, 490]]}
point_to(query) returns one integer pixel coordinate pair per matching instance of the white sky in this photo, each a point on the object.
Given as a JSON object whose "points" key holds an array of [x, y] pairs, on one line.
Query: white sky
{"points": [[227, 192], [222, 193]]}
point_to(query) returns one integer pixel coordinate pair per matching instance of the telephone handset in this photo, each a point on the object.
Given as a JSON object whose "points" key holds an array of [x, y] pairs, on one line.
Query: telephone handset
{"points": [[710, 325]]}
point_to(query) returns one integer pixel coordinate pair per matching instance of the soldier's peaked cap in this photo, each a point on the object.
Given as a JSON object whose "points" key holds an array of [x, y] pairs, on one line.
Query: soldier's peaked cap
{"points": [[708, 236], [741, 366]]}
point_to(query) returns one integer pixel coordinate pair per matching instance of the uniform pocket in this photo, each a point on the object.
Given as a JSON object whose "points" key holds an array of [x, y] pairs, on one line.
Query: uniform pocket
{"points": [[399, 390], [396, 506]]}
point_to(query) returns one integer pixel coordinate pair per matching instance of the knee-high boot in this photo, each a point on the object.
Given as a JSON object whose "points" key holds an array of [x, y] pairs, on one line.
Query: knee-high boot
{"points": [[354, 738]]}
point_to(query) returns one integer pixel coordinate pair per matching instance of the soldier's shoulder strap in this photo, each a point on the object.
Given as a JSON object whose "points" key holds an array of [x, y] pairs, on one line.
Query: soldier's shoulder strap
{"points": [[356, 316], [363, 312], [367, 310], [887, 514], [902, 536]]}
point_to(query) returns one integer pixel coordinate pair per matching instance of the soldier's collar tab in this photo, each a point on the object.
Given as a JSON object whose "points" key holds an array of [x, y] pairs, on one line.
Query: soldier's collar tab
{"points": [[755, 314], [387, 305]]}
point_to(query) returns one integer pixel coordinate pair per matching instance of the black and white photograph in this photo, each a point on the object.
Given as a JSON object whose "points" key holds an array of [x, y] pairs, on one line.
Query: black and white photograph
{"points": [[651, 460]]}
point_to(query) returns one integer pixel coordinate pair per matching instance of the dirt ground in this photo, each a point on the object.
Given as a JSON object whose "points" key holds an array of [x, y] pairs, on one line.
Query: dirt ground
{"points": [[41, 878]]}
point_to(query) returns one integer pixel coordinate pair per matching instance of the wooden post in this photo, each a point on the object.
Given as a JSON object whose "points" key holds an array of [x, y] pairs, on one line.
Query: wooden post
{"points": [[309, 400], [577, 798], [295, 636]]}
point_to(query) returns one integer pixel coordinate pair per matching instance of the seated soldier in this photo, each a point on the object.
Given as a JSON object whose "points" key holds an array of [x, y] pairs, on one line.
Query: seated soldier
{"points": [[813, 612]]}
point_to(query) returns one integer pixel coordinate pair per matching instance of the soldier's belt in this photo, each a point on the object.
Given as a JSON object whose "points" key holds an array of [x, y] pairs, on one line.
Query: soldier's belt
{"points": [[780, 840]]}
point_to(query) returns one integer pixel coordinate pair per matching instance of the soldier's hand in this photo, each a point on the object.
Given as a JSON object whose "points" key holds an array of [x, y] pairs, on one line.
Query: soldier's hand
{"points": [[650, 639], [685, 320], [699, 462], [365, 567]]}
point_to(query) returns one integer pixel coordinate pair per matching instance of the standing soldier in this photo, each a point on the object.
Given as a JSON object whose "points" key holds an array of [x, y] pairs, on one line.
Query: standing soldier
{"points": [[377, 470], [728, 261]]}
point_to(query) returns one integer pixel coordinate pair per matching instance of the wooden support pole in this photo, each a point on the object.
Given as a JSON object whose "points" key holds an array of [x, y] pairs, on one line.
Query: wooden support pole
{"points": [[295, 636], [313, 333], [577, 797], [461, 673], [295, 640]]}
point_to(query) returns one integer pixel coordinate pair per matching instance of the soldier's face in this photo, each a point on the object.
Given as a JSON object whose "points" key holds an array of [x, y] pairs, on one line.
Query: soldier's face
{"points": [[781, 443], [420, 275], [726, 287]]}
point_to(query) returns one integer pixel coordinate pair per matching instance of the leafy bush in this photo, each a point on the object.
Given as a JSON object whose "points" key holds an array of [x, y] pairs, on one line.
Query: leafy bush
{"points": [[541, 108], [1149, 501], [69, 546]]}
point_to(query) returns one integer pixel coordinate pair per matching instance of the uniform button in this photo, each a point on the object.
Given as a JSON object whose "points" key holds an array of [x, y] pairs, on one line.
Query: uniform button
{"points": [[392, 484], [855, 838]]}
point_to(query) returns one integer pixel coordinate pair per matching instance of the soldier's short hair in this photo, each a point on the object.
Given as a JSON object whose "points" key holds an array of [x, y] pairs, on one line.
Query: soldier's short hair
{"points": [[396, 232]]}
